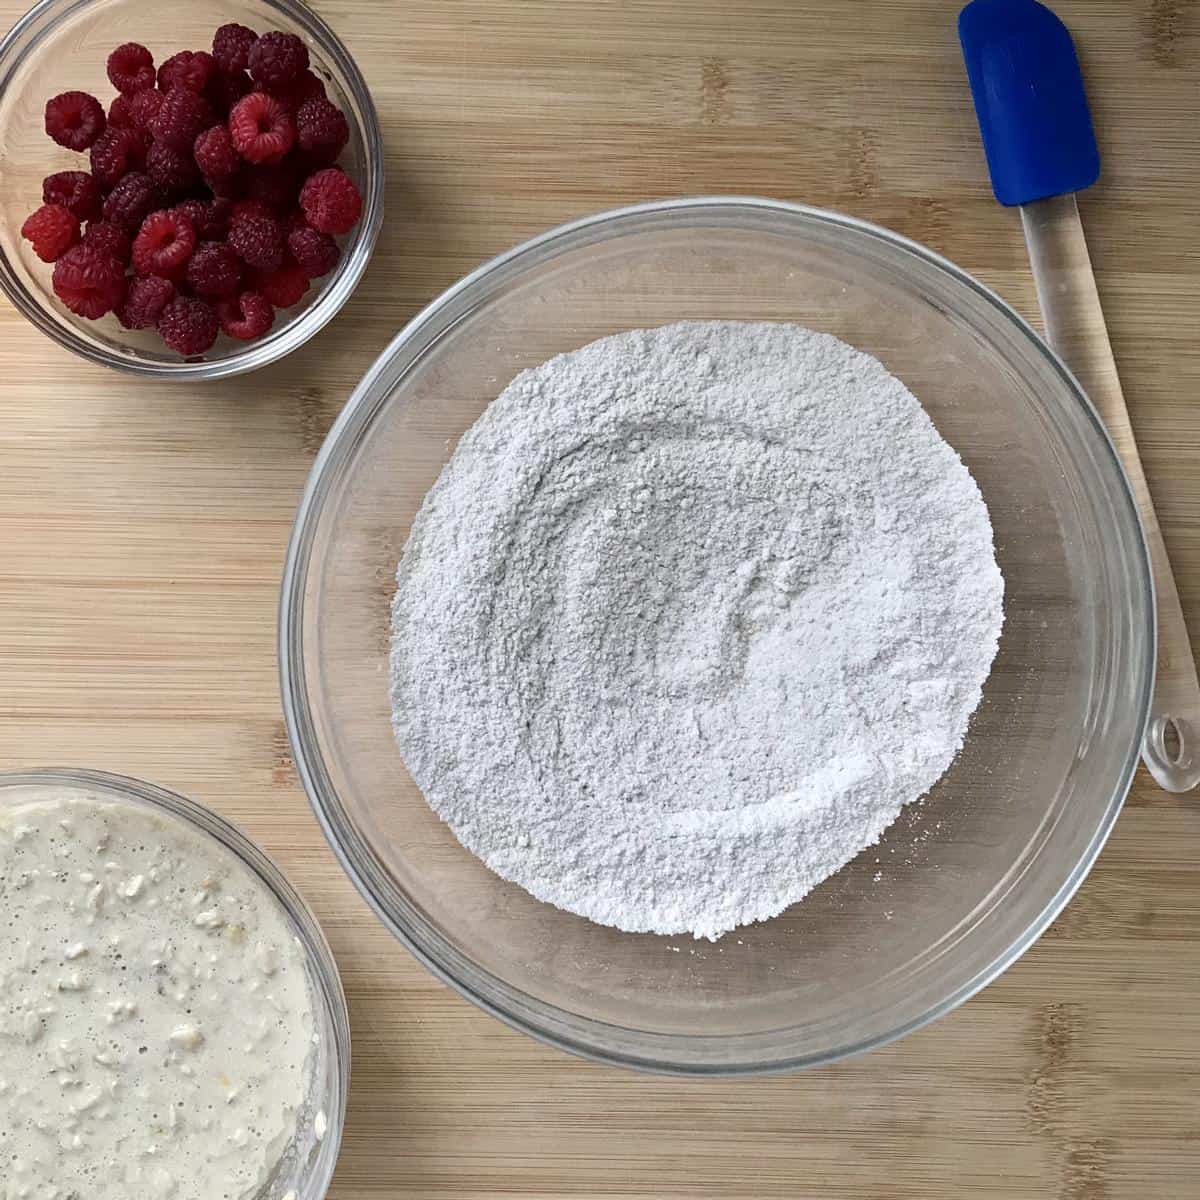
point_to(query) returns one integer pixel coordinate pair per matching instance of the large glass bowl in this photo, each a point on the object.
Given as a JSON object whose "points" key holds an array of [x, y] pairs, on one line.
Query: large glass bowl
{"points": [[963, 882], [62, 45], [307, 1162]]}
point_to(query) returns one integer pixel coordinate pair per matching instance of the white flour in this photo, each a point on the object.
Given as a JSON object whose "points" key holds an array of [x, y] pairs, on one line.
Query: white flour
{"points": [[687, 619]]}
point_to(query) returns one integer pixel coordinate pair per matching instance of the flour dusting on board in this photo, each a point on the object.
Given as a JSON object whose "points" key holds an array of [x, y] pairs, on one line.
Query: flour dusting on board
{"points": [[687, 619]]}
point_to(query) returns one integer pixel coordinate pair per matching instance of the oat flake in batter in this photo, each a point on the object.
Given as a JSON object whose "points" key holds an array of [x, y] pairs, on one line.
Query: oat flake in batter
{"points": [[687, 619]]}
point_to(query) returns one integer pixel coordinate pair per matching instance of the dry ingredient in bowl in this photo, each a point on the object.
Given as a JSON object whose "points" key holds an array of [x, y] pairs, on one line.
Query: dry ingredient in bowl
{"points": [[156, 1023], [687, 619]]}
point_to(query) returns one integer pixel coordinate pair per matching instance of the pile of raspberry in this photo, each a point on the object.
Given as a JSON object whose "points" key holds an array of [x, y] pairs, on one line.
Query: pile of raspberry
{"points": [[213, 197]]}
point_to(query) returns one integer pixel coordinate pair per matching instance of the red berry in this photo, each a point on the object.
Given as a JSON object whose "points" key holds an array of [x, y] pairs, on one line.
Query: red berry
{"points": [[76, 191], [261, 130], [227, 88], [164, 244], [315, 253], [116, 151], [51, 230], [131, 68], [181, 117], [330, 201], [210, 219], [258, 242], [142, 108], [214, 270], [188, 326], [241, 209], [132, 199], [119, 112], [306, 86], [215, 153], [110, 239], [277, 58], [231, 46], [275, 185], [282, 288], [174, 171], [88, 281], [74, 119], [191, 69], [247, 316], [147, 296], [321, 130]]}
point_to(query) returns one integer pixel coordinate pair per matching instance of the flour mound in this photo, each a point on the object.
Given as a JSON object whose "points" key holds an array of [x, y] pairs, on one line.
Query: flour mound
{"points": [[687, 619]]}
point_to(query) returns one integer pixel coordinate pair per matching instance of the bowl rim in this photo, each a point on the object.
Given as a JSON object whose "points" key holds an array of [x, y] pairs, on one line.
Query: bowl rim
{"points": [[316, 949], [311, 320], [294, 694]]}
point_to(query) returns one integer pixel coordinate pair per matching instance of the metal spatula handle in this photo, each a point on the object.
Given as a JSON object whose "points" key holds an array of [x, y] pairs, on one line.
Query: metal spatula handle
{"points": [[1075, 328]]}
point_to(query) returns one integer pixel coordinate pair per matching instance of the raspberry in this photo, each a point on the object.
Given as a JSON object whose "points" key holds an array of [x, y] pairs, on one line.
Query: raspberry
{"points": [[231, 46], [227, 88], [74, 120], [110, 239], [76, 191], [131, 68], [214, 270], [189, 326], [321, 130], [164, 244], [191, 69], [51, 230], [119, 112], [181, 116], [330, 201], [306, 86], [147, 296], [116, 151], [316, 254], [216, 154], [133, 198], [274, 185], [258, 242], [210, 219], [277, 58], [282, 288], [261, 130], [247, 208], [142, 108], [247, 316], [88, 281], [174, 171]]}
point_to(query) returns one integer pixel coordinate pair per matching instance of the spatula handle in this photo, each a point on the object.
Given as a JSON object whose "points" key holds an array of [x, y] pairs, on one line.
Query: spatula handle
{"points": [[1075, 328]]}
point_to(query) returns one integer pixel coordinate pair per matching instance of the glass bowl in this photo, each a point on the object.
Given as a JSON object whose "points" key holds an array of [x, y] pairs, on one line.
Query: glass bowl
{"points": [[963, 882], [63, 44], [307, 1164]]}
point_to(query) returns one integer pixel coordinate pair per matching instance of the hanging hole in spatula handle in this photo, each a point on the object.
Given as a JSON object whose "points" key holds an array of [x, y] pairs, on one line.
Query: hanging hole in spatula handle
{"points": [[1171, 753]]}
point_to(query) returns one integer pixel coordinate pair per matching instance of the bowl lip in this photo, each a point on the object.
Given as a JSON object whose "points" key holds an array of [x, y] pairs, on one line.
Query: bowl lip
{"points": [[317, 952], [294, 695], [309, 322]]}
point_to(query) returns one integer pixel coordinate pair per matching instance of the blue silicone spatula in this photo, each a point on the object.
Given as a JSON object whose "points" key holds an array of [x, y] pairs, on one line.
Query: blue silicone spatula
{"points": [[1041, 150]]}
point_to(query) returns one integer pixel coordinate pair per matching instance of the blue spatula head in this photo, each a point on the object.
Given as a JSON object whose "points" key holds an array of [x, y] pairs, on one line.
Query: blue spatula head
{"points": [[1029, 98]]}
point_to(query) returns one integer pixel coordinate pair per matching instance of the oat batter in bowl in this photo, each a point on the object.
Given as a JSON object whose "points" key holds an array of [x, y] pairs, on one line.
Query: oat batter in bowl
{"points": [[157, 1024]]}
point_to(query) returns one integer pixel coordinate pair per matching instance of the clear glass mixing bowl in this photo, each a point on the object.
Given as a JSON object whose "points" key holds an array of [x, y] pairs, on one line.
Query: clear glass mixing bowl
{"points": [[962, 883]]}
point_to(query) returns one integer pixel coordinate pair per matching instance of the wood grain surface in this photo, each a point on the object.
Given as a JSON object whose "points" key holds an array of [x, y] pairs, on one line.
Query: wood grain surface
{"points": [[142, 529]]}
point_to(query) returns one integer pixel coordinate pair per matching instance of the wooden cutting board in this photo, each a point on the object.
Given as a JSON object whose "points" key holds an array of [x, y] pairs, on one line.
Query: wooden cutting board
{"points": [[142, 529]]}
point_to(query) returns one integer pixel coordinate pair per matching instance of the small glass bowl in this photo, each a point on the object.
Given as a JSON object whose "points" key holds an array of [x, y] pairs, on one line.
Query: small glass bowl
{"points": [[963, 882], [308, 1163], [62, 45]]}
